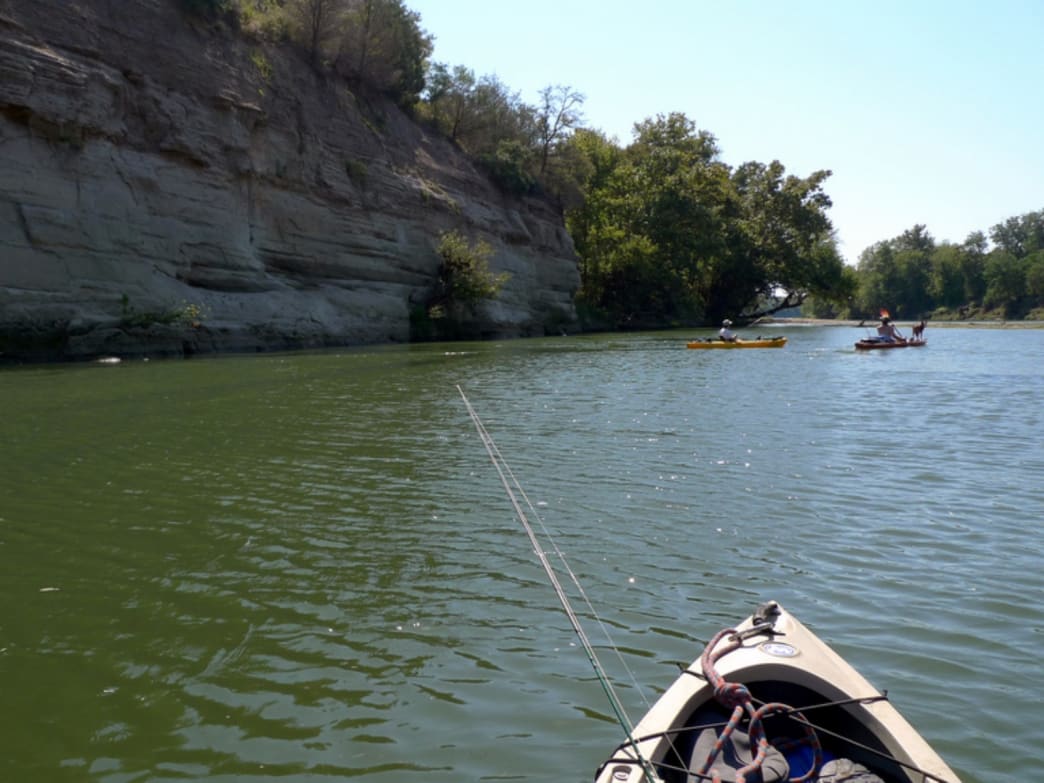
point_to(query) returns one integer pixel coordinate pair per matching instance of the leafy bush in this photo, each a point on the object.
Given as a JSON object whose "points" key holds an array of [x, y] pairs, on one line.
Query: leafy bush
{"points": [[264, 19], [464, 278], [464, 281], [509, 167]]}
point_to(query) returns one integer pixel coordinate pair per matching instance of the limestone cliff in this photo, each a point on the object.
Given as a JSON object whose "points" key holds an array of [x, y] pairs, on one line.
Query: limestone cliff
{"points": [[167, 188]]}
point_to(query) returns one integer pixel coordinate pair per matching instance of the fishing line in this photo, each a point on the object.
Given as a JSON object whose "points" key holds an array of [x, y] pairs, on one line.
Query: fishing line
{"points": [[514, 489], [517, 486]]}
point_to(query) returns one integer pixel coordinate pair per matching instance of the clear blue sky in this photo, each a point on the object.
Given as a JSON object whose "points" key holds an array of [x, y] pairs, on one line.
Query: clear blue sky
{"points": [[926, 111]]}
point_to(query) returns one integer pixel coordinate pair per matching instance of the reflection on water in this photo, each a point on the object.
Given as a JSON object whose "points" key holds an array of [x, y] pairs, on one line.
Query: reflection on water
{"points": [[302, 566]]}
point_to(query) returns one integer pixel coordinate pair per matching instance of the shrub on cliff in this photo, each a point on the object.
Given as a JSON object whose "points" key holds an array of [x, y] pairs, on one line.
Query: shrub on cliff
{"points": [[464, 282], [509, 166], [464, 278]]}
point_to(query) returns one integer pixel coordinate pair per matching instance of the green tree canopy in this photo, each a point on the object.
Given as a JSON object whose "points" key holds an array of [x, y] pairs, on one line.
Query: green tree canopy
{"points": [[317, 25], [912, 276], [1020, 235], [670, 233], [475, 112], [382, 45], [1005, 281]]}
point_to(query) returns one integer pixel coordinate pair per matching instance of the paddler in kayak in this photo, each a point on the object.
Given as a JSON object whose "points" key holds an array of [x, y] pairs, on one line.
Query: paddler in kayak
{"points": [[887, 333], [725, 333]]}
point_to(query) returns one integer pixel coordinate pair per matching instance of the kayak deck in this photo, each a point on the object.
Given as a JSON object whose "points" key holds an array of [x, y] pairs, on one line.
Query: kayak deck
{"points": [[878, 345], [817, 713]]}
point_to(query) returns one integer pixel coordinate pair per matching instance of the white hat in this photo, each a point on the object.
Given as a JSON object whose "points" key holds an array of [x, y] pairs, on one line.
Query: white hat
{"points": [[726, 322]]}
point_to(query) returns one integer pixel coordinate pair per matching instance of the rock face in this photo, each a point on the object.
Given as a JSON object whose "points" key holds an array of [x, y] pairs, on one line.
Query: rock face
{"points": [[171, 188]]}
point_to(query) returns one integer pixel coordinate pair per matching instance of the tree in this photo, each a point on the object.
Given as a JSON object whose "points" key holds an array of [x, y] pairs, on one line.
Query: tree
{"points": [[897, 274], [464, 277], [382, 45], [1005, 281], [509, 166], [501, 116], [946, 278], [1021, 235], [915, 240], [879, 279], [675, 194], [836, 302], [1035, 277], [784, 231], [476, 113], [315, 24], [448, 100], [593, 161], [570, 171], [669, 233], [559, 113], [910, 275], [973, 266]]}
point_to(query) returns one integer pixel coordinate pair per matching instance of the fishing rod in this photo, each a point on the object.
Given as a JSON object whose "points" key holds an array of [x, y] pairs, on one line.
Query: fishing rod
{"points": [[514, 490]]}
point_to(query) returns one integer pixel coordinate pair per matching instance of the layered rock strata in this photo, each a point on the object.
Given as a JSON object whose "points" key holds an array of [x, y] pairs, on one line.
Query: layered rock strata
{"points": [[168, 187]]}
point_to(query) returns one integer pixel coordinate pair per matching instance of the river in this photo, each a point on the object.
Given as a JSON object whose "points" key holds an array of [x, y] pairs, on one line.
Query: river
{"points": [[303, 567]]}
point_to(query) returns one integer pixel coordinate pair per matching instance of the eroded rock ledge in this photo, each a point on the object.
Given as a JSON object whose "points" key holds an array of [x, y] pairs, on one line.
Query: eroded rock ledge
{"points": [[166, 188]]}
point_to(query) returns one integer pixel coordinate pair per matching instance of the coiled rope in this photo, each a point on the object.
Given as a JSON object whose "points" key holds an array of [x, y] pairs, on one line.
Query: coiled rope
{"points": [[737, 697]]}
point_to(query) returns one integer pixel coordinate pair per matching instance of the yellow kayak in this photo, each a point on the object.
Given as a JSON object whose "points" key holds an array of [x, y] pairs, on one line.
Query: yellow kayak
{"points": [[761, 342]]}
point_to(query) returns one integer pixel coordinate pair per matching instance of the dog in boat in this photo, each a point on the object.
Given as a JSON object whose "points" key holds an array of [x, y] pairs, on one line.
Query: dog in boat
{"points": [[918, 330]]}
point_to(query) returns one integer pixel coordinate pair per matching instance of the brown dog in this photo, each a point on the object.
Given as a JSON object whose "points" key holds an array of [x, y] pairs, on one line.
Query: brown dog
{"points": [[918, 330]]}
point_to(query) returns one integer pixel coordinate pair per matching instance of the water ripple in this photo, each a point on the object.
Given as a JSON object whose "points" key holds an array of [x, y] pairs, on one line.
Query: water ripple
{"points": [[302, 567]]}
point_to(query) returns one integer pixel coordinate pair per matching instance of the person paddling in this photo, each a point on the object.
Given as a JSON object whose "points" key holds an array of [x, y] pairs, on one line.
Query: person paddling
{"points": [[725, 333], [887, 332]]}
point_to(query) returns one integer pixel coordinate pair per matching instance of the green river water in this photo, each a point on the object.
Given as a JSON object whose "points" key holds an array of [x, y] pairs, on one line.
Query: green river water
{"points": [[302, 567]]}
